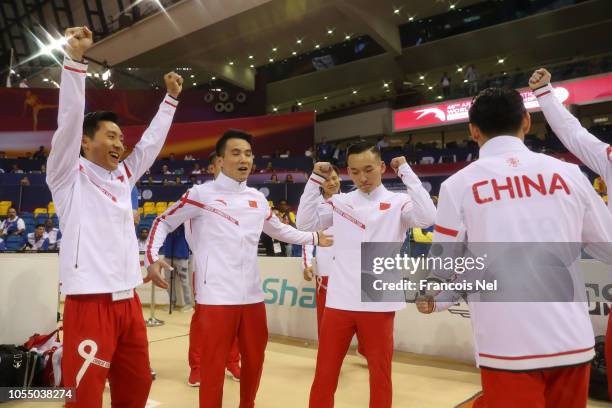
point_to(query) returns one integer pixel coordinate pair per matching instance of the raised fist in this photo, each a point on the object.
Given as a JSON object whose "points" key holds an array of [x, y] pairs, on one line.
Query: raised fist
{"points": [[174, 84], [79, 40], [539, 78], [397, 162], [425, 304], [323, 169]]}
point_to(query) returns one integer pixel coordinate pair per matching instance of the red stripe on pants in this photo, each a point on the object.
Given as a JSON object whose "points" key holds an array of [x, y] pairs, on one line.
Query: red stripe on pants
{"points": [[195, 343], [115, 332], [566, 387], [375, 332], [222, 323]]}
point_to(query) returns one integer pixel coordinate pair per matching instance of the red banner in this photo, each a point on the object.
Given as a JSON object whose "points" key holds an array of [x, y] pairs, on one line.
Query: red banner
{"points": [[272, 133], [580, 91]]}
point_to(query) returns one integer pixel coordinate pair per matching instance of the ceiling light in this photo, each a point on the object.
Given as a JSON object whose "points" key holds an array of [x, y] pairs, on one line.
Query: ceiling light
{"points": [[213, 78], [191, 76], [422, 77], [274, 49], [347, 37], [439, 97], [299, 103], [386, 85], [299, 41], [250, 57], [396, 11], [430, 87], [452, 7], [275, 109], [411, 18], [330, 31], [460, 69], [252, 66], [231, 62], [195, 83], [354, 91], [317, 46], [271, 60], [325, 97], [500, 61], [294, 53], [45, 79]]}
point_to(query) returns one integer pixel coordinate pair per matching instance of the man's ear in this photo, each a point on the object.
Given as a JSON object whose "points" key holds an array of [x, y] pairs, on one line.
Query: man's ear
{"points": [[477, 135], [526, 126], [383, 167]]}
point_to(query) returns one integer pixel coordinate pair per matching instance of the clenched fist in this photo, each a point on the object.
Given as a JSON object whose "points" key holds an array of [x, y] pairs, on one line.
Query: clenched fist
{"points": [[323, 169], [539, 78], [425, 304], [174, 84], [79, 40], [397, 162], [325, 240]]}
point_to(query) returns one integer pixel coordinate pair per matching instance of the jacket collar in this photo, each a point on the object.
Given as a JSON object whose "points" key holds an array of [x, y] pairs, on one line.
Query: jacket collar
{"points": [[97, 170], [229, 184], [374, 195], [502, 144]]}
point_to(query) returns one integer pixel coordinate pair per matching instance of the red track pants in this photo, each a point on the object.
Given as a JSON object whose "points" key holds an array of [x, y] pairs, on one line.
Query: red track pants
{"points": [[221, 325], [105, 339], [565, 387], [375, 332]]}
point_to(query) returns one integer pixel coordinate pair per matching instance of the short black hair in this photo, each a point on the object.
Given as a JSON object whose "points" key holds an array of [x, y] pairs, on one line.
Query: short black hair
{"points": [[361, 147], [92, 120], [498, 111], [144, 229], [231, 134], [39, 226], [212, 157]]}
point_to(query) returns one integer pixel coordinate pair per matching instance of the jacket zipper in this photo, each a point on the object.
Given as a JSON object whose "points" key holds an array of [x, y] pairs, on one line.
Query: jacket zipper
{"points": [[76, 261]]}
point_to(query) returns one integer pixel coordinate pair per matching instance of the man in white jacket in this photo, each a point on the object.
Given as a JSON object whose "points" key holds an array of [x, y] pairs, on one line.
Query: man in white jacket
{"points": [[369, 214], [104, 331], [594, 153], [536, 352], [226, 218]]}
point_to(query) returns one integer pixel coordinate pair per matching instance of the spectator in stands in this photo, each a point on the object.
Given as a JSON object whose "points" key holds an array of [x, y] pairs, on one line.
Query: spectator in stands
{"points": [[40, 154], [43, 168], [189, 157], [288, 217], [178, 181], [25, 181], [193, 180], [445, 83], [165, 182], [274, 179], [383, 143], [13, 225], [165, 170], [176, 253], [309, 152], [196, 169], [472, 77], [423, 236], [324, 151], [54, 235], [15, 169], [142, 239], [150, 180], [171, 157], [38, 240], [2, 245], [289, 178], [285, 155]]}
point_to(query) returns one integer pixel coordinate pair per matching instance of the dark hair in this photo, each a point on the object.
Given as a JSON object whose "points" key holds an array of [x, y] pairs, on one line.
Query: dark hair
{"points": [[361, 147], [144, 229], [92, 120], [497, 111], [40, 226], [231, 134]]}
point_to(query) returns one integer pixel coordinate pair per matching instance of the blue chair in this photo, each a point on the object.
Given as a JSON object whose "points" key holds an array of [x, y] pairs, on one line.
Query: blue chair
{"points": [[41, 218], [14, 243]]}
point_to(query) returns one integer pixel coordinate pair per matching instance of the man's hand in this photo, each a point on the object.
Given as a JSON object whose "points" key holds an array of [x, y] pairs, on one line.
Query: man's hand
{"points": [[155, 273], [397, 162], [308, 273], [174, 84], [325, 240], [425, 304], [79, 40], [323, 169], [539, 78]]}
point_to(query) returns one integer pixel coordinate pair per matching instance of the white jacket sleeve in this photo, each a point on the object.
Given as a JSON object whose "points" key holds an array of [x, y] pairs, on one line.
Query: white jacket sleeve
{"points": [[186, 208], [597, 224], [307, 251], [312, 214], [147, 149], [594, 153], [286, 233], [63, 161], [445, 299], [419, 210]]}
